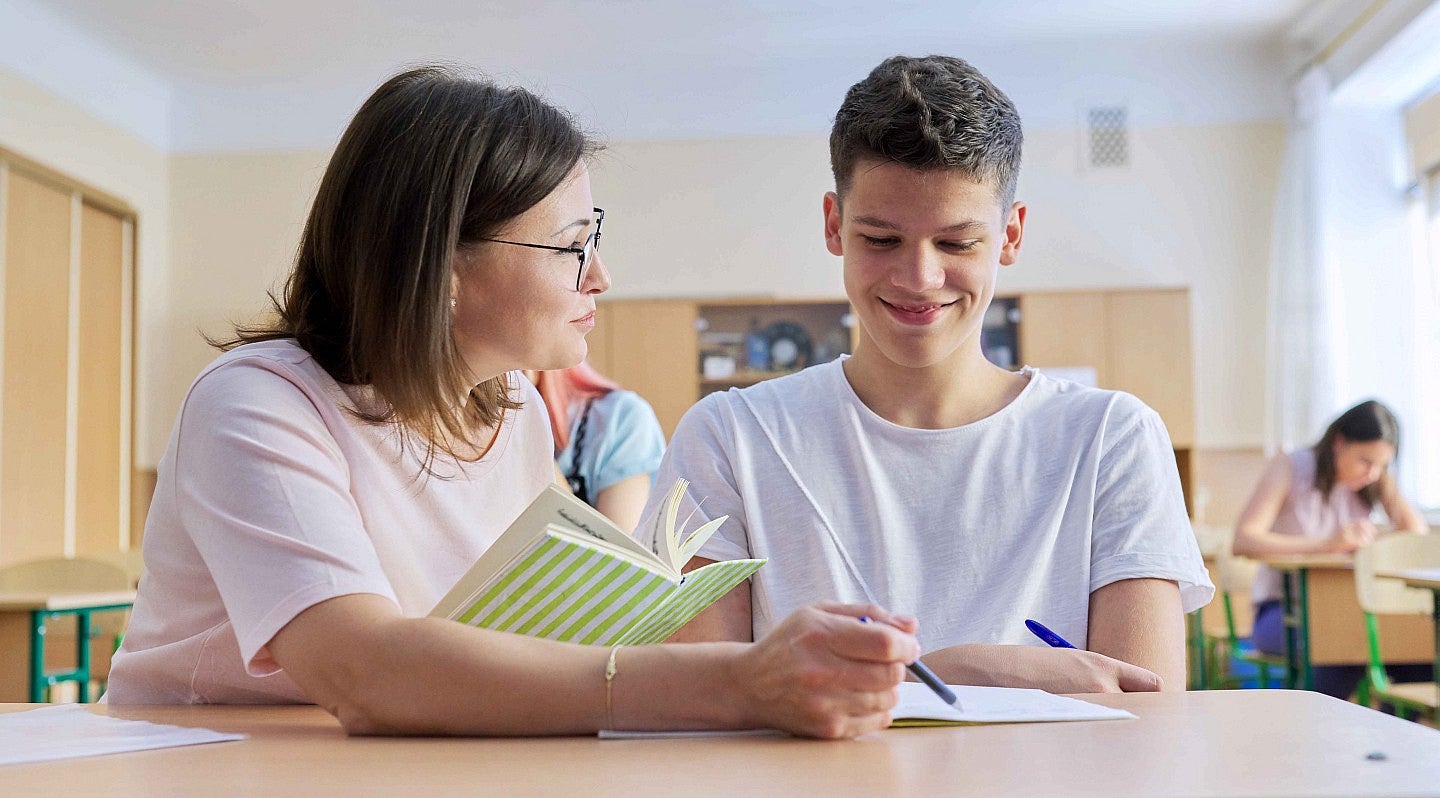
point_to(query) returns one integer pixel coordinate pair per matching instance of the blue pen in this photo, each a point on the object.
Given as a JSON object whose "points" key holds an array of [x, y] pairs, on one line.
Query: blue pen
{"points": [[1048, 636], [924, 674]]}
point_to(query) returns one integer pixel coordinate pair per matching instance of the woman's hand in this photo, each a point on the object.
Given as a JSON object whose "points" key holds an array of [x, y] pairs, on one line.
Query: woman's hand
{"points": [[1352, 536], [1054, 670], [823, 673]]}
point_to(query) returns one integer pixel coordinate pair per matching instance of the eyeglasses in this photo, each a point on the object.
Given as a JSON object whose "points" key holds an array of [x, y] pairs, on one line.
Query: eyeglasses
{"points": [[584, 252]]}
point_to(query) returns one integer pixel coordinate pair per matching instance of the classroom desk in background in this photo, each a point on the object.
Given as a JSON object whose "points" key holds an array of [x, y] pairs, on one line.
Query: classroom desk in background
{"points": [[1429, 579], [1221, 742], [24, 631], [1324, 624]]}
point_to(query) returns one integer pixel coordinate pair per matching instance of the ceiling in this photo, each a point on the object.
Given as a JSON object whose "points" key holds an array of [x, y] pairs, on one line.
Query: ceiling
{"points": [[266, 73]]}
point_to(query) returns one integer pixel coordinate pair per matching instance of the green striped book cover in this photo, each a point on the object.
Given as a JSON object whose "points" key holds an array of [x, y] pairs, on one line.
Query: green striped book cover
{"points": [[562, 571]]}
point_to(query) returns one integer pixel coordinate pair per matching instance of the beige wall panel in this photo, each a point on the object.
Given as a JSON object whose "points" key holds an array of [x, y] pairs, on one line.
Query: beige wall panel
{"points": [[98, 484], [1150, 355], [654, 352], [32, 430], [1065, 329]]}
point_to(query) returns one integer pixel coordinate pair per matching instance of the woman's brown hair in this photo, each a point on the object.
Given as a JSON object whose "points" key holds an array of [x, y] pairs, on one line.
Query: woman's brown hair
{"points": [[1365, 422], [435, 160]]}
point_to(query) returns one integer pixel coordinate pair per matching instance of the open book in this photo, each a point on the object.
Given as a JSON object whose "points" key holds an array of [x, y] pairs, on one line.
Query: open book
{"points": [[563, 571], [919, 706]]}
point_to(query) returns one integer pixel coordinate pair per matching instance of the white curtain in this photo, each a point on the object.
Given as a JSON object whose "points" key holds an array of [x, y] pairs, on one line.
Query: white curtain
{"points": [[1303, 352], [1425, 442]]}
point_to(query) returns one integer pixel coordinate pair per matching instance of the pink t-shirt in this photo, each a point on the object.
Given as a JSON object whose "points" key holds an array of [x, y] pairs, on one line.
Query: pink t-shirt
{"points": [[272, 498], [1309, 514]]}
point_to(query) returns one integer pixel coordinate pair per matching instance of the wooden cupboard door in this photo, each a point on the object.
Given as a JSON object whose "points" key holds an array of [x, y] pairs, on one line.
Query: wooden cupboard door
{"points": [[655, 353], [35, 368], [100, 461], [1064, 329], [1151, 356]]}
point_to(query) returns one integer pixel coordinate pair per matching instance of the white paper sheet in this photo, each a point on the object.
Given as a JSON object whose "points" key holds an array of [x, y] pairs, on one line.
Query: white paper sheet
{"points": [[997, 705], [68, 731]]}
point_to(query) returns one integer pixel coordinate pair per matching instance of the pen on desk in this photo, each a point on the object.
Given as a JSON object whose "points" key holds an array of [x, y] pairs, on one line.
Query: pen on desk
{"points": [[922, 672], [1048, 636]]}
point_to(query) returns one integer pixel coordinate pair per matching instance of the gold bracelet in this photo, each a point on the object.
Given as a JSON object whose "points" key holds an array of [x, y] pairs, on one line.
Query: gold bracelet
{"points": [[609, 688]]}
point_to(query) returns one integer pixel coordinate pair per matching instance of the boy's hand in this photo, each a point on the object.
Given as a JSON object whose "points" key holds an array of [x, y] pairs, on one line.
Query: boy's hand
{"points": [[1054, 670], [823, 673]]}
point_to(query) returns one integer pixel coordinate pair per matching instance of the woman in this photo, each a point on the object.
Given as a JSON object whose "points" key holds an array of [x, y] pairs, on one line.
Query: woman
{"points": [[1319, 500], [608, 443], [331, 475]]}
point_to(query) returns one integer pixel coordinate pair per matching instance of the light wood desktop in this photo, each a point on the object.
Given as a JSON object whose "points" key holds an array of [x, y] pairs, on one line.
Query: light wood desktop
{"points": [[1331, 627], [1250, 742], [17, 617]]}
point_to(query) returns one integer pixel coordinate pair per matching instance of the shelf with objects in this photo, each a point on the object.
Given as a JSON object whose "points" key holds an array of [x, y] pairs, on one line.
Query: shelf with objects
{"points": [[742, 343], [674, 351]]}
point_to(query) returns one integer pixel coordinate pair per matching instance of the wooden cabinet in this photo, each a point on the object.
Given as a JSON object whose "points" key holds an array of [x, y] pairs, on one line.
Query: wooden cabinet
{"points": [[1137, 341], [66, 267]]}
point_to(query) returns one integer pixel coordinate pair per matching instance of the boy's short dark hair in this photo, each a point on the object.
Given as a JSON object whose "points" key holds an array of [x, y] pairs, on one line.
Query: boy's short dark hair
{"points": [[936, 112]]}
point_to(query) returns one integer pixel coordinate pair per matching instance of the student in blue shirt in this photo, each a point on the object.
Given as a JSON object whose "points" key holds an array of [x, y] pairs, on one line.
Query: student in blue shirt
{"points": [[608, 443]]}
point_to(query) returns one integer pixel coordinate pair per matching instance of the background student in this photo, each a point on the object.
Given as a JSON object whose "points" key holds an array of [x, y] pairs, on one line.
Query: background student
{"points": [[1321, 499], [333, 474], [915, 473], [608, 442]]}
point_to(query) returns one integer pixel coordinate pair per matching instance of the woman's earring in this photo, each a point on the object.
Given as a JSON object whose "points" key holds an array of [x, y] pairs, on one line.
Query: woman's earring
{"points": [[452, 303]]}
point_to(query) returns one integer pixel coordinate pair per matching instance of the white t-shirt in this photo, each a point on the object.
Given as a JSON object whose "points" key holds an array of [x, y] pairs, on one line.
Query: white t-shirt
{"points": [[272, 497], [972, 530]]}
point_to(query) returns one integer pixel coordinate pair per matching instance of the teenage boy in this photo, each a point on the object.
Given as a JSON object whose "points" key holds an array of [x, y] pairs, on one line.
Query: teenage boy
{"points": [[916, 475]]}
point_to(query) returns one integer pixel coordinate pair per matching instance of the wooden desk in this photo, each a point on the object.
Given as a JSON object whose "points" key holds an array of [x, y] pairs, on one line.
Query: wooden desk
{"points": [[1324, 624], [1219, 742], [23, 619], [1428, 578]]}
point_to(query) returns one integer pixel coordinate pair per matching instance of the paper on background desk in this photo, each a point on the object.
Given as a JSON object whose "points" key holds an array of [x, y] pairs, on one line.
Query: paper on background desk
{"points": [[919, 706], [68, 731]]}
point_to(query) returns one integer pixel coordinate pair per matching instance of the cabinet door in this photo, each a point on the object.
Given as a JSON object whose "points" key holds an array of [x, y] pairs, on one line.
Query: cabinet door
{"points": [[1065, 329], [1150, 355], [653, 351], [101, 496], [34, 413]]}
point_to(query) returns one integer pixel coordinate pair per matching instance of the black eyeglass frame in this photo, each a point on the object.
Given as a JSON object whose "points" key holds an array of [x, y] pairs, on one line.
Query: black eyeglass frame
{"points": [[579, 252]]}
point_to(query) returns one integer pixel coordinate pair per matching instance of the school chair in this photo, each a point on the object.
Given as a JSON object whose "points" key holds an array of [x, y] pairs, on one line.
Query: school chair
{"points": [[1234, 576], [1381, 596], [69, 575]]}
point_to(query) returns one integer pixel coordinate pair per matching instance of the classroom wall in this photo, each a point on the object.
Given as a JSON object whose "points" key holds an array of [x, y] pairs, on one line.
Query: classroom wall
{"points": [[742, 215], [1193, 209]]}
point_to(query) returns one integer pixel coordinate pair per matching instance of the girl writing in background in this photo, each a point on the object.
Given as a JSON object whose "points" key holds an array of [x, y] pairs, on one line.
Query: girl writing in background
{"points": [[1320, 500]]}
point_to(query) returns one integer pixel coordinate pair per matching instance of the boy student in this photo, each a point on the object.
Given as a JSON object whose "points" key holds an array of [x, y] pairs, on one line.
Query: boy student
{"points": [[914, 473]]}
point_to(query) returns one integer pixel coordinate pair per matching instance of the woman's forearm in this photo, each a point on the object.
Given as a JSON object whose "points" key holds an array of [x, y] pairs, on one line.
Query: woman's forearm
{"points": [[380, 673]]}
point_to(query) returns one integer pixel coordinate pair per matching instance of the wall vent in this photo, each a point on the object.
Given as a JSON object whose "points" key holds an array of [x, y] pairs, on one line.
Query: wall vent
{"points": [[1107, 137]]}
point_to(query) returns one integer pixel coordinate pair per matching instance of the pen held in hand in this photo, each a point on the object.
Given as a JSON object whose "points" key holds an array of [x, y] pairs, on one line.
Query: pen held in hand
{"points": [[922, 672], [1055, 641]]}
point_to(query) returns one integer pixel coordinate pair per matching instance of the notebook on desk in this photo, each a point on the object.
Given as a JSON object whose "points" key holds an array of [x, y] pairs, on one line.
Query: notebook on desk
{"points": [[919, 706]]}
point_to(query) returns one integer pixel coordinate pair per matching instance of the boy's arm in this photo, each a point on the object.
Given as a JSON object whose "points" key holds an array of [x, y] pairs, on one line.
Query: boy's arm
{"points": [[727, 619], [1140, 621]]}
